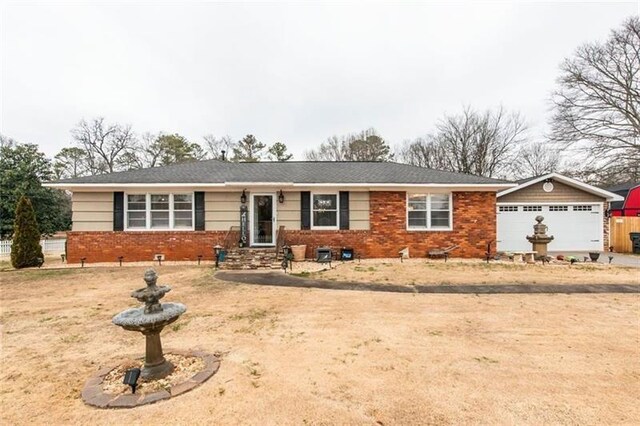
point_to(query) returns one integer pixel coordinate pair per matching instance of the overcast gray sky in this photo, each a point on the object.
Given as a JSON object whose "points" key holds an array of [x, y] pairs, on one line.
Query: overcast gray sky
{"points": [[290, 72]]}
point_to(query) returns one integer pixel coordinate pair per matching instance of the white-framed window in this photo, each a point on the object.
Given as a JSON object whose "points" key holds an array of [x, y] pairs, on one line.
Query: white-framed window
{"points": [[531, 208], [136, 211], [505, 209], [582, 208], [155, 211], [558, 208], [160, 211], [182, 211], [429, 212], [324, 211]]}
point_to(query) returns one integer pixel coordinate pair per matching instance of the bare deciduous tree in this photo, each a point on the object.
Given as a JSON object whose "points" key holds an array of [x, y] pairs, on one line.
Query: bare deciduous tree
{"points": [[597, 106], [535, 159], [423, 152], [471, 142], [105, 144], [6, 141], [215, 145]]}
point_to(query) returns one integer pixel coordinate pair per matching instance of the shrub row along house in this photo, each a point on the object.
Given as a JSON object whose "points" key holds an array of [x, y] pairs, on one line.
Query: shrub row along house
{"points": [[183, 210]]}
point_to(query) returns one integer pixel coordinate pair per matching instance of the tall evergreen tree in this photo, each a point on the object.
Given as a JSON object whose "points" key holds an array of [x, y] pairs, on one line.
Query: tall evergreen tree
{"points": [[249, 149], [26, 250], [22, 170], [278, 152]]}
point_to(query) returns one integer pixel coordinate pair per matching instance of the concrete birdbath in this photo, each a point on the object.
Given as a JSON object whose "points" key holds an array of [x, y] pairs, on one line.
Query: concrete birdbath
{"points": [[150, 320]]}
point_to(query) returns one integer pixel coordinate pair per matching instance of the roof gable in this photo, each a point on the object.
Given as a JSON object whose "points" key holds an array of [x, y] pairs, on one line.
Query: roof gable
{"points": [[609, 196]]}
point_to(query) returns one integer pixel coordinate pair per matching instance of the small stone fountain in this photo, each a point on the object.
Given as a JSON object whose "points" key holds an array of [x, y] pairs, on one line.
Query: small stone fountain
{"points": [[150, 320], [540, 239]]}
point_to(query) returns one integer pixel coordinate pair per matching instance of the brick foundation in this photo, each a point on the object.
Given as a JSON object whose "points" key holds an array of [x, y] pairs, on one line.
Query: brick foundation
{"points": [[474, 225]]}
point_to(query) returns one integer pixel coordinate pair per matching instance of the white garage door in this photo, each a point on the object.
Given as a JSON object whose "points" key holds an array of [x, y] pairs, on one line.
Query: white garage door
{"points": [[574, 226]]}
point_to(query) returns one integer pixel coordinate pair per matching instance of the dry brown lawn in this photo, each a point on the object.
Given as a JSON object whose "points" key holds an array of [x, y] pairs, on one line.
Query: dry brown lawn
{"points": [[459, 271], [306, 356]]}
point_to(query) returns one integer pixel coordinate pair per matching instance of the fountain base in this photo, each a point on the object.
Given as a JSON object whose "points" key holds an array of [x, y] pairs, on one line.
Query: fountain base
{"points": [[155, 365]]}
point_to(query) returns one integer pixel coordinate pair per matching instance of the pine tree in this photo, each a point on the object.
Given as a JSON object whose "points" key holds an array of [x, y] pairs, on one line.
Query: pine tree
{"points": [[278, 152], [26, 250], [249, 149]]}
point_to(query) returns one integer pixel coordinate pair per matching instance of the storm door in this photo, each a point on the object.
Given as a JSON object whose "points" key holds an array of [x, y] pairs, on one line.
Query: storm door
{"points": [[263, 220]]}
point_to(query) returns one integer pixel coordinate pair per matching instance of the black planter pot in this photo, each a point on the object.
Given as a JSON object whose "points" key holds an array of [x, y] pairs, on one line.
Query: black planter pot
{"points": [[594, 256]]}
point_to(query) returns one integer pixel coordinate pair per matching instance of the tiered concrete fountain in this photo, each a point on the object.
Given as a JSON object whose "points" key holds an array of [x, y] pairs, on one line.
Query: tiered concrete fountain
{"points": [[150, 320], [540, 239]]}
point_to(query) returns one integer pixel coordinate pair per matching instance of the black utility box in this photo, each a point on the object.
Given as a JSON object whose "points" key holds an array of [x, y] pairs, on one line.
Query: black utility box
{"points": [[346, 253], [323, 254], [635, 242]]}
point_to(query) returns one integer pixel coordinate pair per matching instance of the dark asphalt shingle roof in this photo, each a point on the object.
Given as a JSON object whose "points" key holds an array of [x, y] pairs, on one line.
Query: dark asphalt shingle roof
{"points": [[215, 171], [622, 187]]}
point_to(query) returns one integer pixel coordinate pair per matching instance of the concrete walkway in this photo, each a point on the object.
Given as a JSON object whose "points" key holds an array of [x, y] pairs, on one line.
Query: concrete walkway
{"points": [[281, 280]]}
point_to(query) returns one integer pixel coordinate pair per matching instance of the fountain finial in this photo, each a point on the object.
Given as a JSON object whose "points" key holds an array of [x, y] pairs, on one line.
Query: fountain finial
{"points": [[150, 277], [151, 294]]}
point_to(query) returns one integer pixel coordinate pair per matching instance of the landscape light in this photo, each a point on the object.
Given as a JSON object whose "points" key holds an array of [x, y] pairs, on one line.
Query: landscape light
{"points": [[82, 259], [131, 378], [199, 258], [216, 250], [120, 259], [159, 259]]}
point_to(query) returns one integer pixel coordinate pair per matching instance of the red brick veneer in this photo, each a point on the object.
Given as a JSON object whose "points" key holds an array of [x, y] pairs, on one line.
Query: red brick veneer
{"points": [[137, 246], [474, 225]]}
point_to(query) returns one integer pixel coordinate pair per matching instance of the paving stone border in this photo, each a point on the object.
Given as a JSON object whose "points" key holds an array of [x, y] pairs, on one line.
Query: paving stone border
{"points": [[92, 393]]}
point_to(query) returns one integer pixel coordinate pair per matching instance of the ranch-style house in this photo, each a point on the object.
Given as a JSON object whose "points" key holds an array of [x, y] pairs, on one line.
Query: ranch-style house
{"points": [[182, 211]]}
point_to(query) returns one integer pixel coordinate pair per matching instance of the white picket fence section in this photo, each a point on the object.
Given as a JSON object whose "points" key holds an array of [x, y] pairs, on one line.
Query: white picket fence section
{"points": [[55, 246]]}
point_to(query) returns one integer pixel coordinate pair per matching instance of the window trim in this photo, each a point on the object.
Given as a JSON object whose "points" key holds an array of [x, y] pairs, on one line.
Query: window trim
{"points": [[148, 227], [326, 228], [429, 228]]}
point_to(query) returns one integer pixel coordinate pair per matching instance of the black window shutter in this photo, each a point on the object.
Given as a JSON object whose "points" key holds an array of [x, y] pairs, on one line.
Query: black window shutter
{"points": [[118, 211], [198, 205], [305, 210], [344, 209]]}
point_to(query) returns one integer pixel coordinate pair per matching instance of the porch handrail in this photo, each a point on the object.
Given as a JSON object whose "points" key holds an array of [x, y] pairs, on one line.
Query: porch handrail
{"points": [[227, 243], [279, 239]]}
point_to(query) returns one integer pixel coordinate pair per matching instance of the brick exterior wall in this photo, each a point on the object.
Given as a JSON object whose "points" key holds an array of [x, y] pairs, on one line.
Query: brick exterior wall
{"points": [[474, 225], [99, 246]]}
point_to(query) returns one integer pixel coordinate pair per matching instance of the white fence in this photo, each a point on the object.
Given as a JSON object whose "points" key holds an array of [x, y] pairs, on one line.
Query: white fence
{"points": [[55, 246]]}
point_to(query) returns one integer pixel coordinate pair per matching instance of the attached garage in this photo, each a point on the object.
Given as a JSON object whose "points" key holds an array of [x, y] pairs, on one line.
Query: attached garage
{"points": [[574, 212]]}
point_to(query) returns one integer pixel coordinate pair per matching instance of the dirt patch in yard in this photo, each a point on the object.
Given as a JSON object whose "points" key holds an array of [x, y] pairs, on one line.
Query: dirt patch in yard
{"points": [[306, 356], [457, 271]]}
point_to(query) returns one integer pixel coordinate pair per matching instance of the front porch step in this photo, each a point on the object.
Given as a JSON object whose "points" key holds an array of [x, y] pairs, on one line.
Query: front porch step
{"points": [[251, 258]]}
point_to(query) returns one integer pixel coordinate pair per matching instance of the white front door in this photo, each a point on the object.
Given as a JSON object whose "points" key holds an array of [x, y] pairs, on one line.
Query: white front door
{"points": [[575, 227], [263, 220]]}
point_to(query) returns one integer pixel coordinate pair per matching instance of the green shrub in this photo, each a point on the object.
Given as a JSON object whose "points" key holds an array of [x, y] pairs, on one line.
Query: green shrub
{"points": [[26, 250]]}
